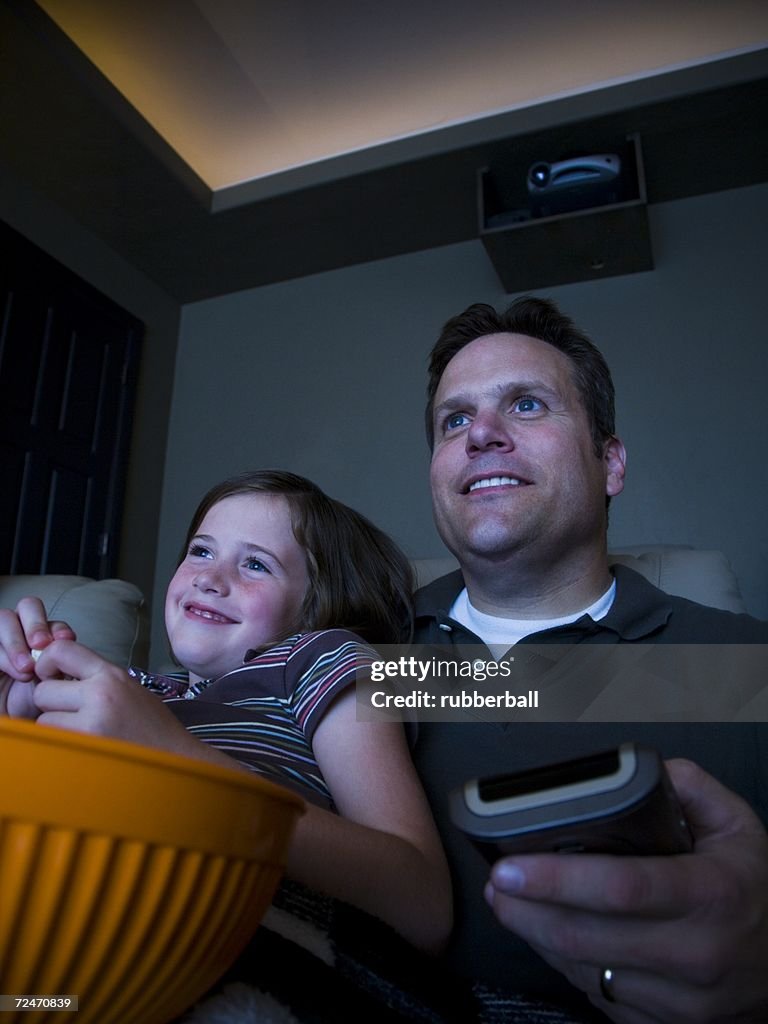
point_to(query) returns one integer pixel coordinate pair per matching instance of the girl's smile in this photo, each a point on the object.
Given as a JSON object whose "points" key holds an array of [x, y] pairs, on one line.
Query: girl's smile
{"points": [[241, 585], [208, 614]]}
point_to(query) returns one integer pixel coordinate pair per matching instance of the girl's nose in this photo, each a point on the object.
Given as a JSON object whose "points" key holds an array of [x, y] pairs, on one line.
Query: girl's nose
{"points": [[210, 580]]}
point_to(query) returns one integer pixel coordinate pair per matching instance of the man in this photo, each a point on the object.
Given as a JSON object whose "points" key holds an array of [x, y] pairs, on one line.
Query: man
{"points": [[525, 460]]}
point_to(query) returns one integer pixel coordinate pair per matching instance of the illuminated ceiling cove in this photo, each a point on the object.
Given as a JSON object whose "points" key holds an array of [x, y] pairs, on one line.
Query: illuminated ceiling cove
{"points": [[245, 91]]}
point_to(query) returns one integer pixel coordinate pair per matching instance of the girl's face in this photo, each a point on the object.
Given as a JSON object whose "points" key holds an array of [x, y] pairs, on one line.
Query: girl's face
{"points": [[241, 584]]}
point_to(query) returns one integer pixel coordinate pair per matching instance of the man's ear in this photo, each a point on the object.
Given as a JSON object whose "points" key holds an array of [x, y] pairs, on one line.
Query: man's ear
{"points": [[615, 459]]}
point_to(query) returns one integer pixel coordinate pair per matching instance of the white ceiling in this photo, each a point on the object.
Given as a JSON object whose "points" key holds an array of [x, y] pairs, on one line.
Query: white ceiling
{"points": [[245, 90]]}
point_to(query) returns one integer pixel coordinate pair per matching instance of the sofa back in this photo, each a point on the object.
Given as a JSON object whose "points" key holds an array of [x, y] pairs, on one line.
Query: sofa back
{"points": [[703, 576], [109, 616]]}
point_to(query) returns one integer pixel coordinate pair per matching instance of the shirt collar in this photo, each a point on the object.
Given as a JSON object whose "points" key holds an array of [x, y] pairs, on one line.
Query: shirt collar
{"points": [[639, 610]]}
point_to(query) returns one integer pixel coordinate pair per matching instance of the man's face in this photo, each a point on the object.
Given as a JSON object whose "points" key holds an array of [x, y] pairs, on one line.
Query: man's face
{"points": [[513, 464]]}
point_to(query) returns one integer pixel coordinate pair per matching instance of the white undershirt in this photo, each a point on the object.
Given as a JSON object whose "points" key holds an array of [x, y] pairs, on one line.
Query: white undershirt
{"points": [[499, 634]]}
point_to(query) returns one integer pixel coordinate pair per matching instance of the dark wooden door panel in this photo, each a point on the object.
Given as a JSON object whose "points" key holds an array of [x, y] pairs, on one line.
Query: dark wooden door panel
{"points": [[68, 365]]}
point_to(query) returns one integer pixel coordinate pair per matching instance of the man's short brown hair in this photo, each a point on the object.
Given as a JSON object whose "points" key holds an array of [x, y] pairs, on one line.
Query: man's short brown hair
{"points": [[535, 318]]}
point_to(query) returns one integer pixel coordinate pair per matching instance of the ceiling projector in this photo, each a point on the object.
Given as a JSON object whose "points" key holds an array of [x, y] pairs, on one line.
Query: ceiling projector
{"points": [[601, 169], [575, 184]]}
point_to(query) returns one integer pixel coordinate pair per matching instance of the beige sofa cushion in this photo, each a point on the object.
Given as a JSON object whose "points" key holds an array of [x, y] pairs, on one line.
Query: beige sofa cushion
{"points": [[703, 576], [107, 615]]}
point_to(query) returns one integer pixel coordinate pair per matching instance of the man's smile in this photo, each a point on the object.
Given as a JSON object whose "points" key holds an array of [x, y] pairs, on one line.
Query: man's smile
{"points": [[499, 480]]}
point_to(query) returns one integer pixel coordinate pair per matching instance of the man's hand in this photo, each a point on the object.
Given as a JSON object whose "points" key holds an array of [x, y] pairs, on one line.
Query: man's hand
{"points": [[686, 936]]}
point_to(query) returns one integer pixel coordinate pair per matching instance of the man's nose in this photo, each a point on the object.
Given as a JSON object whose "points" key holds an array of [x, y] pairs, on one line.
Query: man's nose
{"points": [[489, 429]]}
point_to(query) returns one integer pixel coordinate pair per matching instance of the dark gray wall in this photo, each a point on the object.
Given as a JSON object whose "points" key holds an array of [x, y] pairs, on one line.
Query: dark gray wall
{"points": [[325, 376]]}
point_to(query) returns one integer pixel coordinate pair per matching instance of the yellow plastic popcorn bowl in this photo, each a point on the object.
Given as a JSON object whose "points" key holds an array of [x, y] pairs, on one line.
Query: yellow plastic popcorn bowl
{"points": [[129, 878]]}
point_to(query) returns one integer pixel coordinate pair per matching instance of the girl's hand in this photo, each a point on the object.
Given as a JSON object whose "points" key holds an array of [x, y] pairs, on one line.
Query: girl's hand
{"points": [[80, 690], [23, 630]]}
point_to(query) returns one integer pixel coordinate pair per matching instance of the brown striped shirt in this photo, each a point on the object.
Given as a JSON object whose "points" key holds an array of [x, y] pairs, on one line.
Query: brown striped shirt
{"points": [[264, 713]]}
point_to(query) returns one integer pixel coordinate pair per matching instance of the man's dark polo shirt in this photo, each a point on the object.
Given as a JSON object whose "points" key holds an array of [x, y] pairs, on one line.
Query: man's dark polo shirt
{"points": [[448, 753]]}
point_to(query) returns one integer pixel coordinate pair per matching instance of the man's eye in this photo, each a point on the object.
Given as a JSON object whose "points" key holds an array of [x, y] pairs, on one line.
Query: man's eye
{"points": [[527, 403], [456, 419], [256, 565]]}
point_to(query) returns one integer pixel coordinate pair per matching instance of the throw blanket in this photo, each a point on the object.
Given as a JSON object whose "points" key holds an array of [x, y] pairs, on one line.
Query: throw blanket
{"points": [[316, 960]]}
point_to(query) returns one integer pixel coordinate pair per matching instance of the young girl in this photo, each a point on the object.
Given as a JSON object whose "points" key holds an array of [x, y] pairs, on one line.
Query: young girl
{"points": [[274, 577]]}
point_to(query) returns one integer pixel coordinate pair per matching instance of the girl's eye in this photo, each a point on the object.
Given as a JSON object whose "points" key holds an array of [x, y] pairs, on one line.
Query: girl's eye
{"points": [[527, 403], [455, 420], [199, 551], [256, 565]]}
